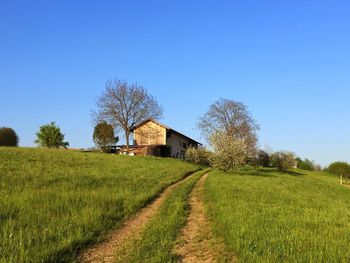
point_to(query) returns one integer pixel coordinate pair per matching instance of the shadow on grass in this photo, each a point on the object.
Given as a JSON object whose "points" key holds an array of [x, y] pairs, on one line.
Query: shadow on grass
{"points": [[266, 172], [263, 172], [294, 173]]}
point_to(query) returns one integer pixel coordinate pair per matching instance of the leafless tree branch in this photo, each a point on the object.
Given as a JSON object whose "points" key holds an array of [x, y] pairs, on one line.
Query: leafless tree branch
{"points": [[124, 105]]}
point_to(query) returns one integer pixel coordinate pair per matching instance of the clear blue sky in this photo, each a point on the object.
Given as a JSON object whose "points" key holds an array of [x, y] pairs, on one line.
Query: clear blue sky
{"points": [[289, 61]]}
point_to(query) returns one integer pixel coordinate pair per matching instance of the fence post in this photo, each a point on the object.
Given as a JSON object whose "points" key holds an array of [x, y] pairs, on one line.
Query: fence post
{"points": [[341, 179]]}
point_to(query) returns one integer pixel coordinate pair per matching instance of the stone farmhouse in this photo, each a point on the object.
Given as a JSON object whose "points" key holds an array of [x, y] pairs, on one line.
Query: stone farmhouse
{"points": [[154, 138]]}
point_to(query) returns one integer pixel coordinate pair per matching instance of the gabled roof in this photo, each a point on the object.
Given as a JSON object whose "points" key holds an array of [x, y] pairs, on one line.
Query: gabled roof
{"points": [[148, 120], [162, 125]]}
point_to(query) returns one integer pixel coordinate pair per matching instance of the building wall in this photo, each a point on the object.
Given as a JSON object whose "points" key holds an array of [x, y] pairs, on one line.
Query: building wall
{"points": [[150, 134], [178, 145]]}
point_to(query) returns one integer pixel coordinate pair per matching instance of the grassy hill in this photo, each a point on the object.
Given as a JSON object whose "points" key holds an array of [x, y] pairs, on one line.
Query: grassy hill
{"points": [[55, 201], [265, 216]]}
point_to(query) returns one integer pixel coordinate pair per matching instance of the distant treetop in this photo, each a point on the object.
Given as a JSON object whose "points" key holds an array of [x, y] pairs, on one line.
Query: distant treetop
{"points": [[50, 136], [8, 137], [339, 168]]}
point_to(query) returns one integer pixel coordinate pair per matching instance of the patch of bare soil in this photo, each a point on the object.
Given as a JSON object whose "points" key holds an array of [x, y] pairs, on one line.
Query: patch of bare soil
{"points": [[115, 241], [196, 243]]}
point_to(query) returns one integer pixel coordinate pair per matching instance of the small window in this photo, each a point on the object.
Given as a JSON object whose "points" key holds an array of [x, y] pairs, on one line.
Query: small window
{"points": [[184, 145]]}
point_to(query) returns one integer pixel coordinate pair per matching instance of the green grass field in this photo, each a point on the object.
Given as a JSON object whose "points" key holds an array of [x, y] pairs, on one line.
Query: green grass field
{"points": [[53, 202], [265, 216]]}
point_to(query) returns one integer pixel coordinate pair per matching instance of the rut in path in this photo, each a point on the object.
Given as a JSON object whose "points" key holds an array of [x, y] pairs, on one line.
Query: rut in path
{"points": [[196, 243], [108, 250]]}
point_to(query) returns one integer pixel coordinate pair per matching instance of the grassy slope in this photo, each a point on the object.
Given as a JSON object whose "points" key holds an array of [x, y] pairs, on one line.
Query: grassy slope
{"points": [[52, 202], [270, 217], [159, 238]]}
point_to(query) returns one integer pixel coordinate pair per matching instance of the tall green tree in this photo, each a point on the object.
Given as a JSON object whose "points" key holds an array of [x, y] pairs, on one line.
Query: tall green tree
{"points": [[104, 135], [8, 137], [50, 136]]}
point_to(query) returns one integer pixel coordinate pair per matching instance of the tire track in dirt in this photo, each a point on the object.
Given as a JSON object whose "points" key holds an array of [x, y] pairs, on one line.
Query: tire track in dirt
{"points": [[196, 243], [115, 241]]}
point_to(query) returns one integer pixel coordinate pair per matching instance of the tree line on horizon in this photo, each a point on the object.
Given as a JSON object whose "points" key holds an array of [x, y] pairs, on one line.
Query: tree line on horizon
{"points": [[227, 126]]}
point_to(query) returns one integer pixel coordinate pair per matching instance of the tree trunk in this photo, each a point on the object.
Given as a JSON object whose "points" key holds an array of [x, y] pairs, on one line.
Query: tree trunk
{"points": [[127, 134]]}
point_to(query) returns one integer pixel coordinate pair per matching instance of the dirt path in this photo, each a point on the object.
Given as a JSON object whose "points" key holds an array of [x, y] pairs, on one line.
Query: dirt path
{"points": [[196, 243], [108, 250]]}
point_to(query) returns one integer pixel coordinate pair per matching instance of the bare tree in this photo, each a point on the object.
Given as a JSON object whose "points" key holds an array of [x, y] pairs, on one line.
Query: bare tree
{"points": [[124, 105], [229, 116], [232, 118]]}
